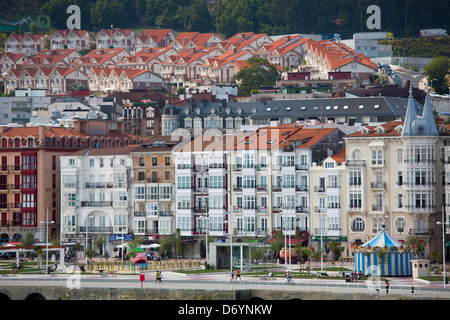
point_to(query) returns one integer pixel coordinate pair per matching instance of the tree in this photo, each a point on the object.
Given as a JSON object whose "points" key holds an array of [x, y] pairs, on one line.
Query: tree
{"points": [[258, 73], [197, 18], [436, 72], [28, 239], [40, 254]]}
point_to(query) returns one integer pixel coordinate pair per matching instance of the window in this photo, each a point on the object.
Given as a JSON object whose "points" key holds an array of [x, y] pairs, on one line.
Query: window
{"points": [[184, 202], [249, 202], [120, 199], [139, 193], [154, 161], [184, 182], [249, 181], [354, 177], [358, 224], [69, 181], [70, 200], [184, 223], [120, 180], [400, 224], [216, 182], [334, 202], [377, 224], [249, 224], [165, 192]]}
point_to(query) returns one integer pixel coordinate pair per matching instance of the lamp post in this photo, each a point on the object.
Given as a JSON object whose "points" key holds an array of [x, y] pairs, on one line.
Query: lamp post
{"points": [[443, 240], [321, 243], [86, 247], [46, 240]]}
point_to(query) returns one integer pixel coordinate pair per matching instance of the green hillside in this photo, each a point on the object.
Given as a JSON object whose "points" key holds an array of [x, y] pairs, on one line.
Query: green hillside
{"points": [[228, 17], [427, 47]]}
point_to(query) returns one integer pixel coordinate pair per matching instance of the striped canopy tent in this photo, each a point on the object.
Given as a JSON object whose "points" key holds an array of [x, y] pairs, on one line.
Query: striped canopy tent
{"points": [[384, 256]]}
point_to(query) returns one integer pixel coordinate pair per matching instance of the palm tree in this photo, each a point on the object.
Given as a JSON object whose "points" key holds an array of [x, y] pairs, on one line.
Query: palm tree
{"points": [[40, 254]]}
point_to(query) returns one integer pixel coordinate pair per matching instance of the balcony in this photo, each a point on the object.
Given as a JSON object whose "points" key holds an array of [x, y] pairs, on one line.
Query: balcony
{"points": [[261, 187], [199, 209], [184, 166], [276, 188], [301, 188], [320, 210], [237, 188], [301, 209], [96, 203], [301, 167], [421, 232], [91, 185], [140, 213], [356, 163], [420, 208], [96, 229], [378, 207], [378, 185], [319, 189]]}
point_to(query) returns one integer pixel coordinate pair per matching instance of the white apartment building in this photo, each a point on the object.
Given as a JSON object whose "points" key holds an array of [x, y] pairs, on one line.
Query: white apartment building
{"points": [[202, 179], [96, 197], [329, 201], [271, 178]]}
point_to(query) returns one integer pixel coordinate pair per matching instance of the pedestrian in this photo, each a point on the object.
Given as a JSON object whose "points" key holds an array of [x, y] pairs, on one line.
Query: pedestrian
{"points": [[232, 275], [158, 277], [238, 274], [376, 285], [387, 286]]}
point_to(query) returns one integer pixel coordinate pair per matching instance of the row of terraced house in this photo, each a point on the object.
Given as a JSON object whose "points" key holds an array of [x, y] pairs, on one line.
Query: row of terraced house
{"points": [[159, 58]]}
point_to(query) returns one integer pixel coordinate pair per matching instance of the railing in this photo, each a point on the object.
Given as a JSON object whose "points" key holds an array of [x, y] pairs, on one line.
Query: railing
{"points": [[378, 185], [96, 229], [96, 203], [356, 163], [421, 232]]}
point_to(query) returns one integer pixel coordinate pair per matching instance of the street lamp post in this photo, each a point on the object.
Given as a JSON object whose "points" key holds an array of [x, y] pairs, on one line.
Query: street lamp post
{"points": [[443, 240], [86, 247], [46, 240], [321, 244]]}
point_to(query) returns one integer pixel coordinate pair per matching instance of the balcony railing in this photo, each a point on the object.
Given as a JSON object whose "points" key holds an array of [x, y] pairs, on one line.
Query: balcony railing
{"points": [[378, 207], [96, 203], [421, 232], [356, 163], [378, 185], [96, 229]]}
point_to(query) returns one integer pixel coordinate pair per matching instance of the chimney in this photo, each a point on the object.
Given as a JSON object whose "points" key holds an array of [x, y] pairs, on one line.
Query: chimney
{"points": [[41, 136]]}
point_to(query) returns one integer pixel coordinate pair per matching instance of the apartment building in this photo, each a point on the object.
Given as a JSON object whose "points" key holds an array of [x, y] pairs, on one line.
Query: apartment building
{"points": [[30, 173], [96, 194], [202, 180], [153, 199], [271, 178], [328, 191], [395, 175]]}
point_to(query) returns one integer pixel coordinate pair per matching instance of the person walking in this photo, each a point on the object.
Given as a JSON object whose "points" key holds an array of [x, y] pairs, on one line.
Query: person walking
{"points": [[158, 277], [238, 274], [232, 276], [387, 286]]}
